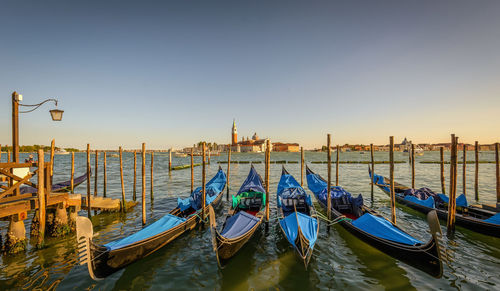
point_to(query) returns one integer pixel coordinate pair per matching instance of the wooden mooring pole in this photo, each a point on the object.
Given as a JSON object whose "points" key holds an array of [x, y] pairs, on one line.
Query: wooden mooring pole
{"points": [[88, 181], [72, 172], [228, 170], [96, 166], [450, 225], [413, 166], [104, 176], [337, 167], [373, 171], [203, 190], [464, 169], [441, 155], [192, 171], [268, 170], [329, 165], [391, 171], [143, 183], [301, 166], [124, 203], [498, 174], [170, 160], [134, 191], [52, 149], [41, 198], [476, 172], [152, 180]]}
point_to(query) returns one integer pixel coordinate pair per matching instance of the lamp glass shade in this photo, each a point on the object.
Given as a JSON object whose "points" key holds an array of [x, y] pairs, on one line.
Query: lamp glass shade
{"points": [[56, 114]]}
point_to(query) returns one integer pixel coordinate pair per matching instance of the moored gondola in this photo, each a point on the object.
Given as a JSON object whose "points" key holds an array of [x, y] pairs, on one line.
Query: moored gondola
{"points": [[58, 187], [297, 216], [103, 260], [425, 200], [372, 228], [243, 218]]}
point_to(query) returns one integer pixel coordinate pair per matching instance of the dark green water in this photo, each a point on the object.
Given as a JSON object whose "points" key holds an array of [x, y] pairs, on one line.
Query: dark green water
{"points": [[340, 261]]}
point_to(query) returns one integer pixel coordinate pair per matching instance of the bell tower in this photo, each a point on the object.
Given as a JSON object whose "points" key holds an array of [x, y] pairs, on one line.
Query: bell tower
{"points": [[234, 134]]}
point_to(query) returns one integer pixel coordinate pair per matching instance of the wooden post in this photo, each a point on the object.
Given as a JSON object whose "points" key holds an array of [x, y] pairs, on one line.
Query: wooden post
{"points": [[301, 166], [268, 167], [373, 169], [124, 204], [52, 148], [476, 177], [96, 171], [452, 196], [152, 166], [329, 165], [41, 198], [337, 167], [135, 176], [143, 183], [464, 174], [413, 166], [228, 172], [498, 173], [391, 170], [192, 171], [203, 190], [105, 176], [266, 160], [0, 153], [209, 156], [441, 154], [8, 156], [72, 172], [170, 160], [15, 127], [88, 180]]}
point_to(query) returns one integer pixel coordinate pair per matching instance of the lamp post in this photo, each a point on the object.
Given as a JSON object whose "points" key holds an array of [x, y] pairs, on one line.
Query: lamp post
{"points": [[56, 115]]}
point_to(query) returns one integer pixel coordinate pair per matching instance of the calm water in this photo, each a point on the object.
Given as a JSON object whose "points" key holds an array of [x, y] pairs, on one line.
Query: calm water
{"points": [[340, 261]]}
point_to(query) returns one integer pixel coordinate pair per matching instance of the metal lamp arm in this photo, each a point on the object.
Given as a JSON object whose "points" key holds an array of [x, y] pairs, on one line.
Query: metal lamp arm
{"points": [[36, 105]]}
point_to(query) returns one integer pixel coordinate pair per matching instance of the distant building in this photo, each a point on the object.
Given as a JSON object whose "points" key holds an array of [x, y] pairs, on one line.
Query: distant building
{"points": [[247, 145], [234, 134], [286, 147]]}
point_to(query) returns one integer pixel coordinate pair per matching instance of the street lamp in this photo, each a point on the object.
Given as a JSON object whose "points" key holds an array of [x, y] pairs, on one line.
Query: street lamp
{"points": [[56, 115]]}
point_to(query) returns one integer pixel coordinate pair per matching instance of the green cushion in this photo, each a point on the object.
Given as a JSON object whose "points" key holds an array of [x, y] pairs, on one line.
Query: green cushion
{"points": [[236, 199]]}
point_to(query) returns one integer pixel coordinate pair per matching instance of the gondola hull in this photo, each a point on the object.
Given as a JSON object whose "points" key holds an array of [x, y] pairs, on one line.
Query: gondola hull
{"points": [[227, 248], [103, 262], [471, 223], [425, 257]]}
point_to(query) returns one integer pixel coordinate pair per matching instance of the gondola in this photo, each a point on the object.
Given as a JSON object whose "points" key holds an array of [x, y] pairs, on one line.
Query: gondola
{"points": [[372, 228], [297, 216], [476, 219], [59, 187], [243, 218], [103, 260]]}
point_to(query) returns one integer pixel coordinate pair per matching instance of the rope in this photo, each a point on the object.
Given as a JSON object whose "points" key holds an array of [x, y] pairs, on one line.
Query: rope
{"points": [[332, 222]]}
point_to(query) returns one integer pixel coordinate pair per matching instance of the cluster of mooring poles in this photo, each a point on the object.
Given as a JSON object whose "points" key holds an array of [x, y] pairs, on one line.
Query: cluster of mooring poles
{"points": [[55, 212]]}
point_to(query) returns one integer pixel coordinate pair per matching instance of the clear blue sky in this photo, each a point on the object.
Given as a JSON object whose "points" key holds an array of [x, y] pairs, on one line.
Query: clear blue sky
{"points": [[173, 73]]}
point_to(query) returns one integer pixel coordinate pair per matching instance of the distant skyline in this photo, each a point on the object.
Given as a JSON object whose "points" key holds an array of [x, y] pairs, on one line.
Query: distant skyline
{"points": [[172, 73]]}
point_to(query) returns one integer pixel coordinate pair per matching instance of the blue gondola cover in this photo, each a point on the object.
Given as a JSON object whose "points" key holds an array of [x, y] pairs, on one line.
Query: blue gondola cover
{"points": [[381, 227], [212, 189], [495, 219], [429, 202], [461, 200], [239, 224], [253, 182], [163, 224], [308, 227]]}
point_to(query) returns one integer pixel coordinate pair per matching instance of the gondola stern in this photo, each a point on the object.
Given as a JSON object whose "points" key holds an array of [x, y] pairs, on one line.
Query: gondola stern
{"points": [[213, 231], [437, 237], [84, 235]]}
